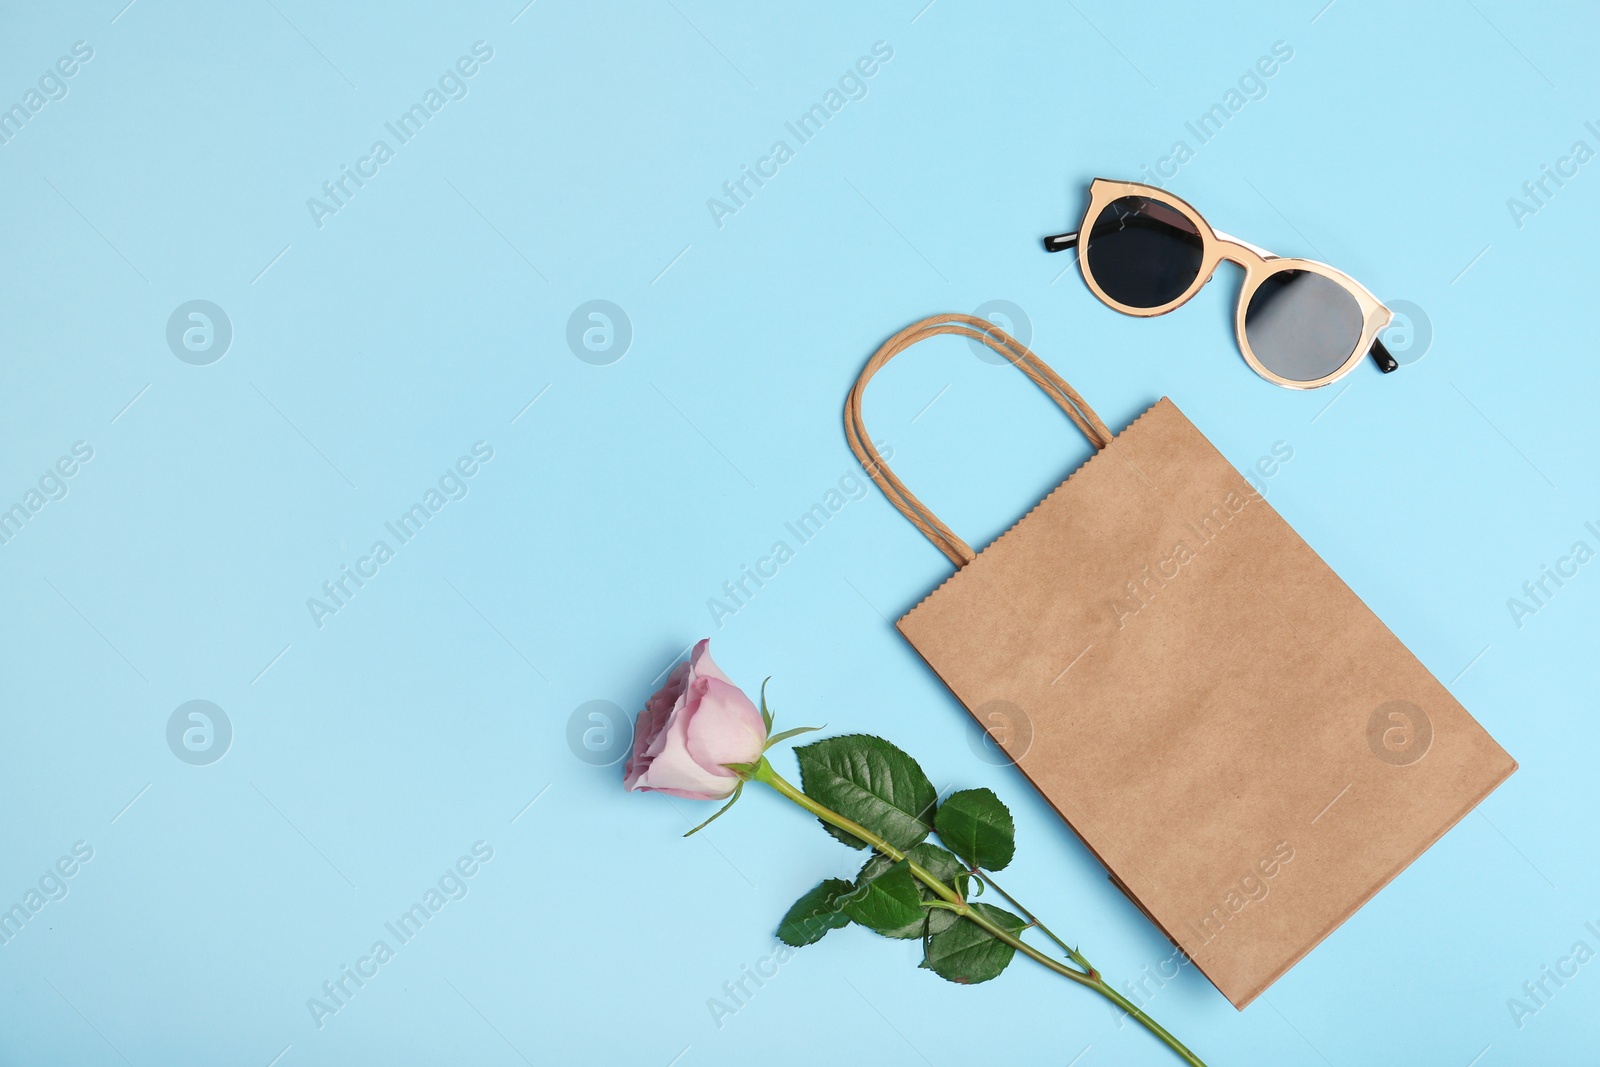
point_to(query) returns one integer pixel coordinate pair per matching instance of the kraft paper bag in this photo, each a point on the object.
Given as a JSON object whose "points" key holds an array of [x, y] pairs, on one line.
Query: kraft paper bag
{"points": [[1244, 745]]}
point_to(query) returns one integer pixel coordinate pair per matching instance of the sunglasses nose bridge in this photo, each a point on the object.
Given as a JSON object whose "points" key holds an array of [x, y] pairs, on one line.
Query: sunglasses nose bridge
{"points": [[1232, 247]]}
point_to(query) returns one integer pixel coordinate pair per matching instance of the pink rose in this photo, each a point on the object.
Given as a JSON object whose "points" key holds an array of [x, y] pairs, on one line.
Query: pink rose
{"points": [[693, 725]]}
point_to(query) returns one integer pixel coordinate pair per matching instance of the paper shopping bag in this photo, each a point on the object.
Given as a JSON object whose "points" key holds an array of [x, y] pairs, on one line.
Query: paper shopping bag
{"points": [[1245, 746]]}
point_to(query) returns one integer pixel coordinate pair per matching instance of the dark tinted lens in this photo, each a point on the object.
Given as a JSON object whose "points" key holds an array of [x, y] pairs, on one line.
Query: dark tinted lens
{"points": [[1302, 326], [1143, 253]]}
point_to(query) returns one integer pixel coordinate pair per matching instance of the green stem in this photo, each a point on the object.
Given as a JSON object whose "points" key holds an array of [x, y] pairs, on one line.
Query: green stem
{"points": [[1076, 956], [1090, 977]]}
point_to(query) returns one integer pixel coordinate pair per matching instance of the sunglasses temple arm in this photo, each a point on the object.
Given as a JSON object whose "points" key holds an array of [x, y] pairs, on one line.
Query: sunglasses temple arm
{"points": [[1380, 355], [1061, 242]]}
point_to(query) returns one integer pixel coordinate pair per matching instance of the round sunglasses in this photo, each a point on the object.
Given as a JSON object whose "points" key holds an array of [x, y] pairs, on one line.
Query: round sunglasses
{"points": [[1301, 324]]}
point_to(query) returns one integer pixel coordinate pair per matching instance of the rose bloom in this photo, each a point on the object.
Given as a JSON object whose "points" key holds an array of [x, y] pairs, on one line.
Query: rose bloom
{"points": [[695, 723]]}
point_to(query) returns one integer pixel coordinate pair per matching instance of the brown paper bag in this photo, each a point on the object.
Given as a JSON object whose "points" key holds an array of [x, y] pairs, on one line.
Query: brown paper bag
{"points": [[1244, 745]]}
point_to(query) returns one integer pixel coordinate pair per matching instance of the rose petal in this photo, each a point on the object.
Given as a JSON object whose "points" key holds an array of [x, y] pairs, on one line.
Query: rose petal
{"points": [[668, 694], [697, 721], [723, 726], [672, 767], [651, 723], [703, 665]]}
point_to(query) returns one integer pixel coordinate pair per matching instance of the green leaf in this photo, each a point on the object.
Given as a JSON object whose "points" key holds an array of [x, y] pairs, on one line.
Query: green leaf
{"points": [[777, 738], [868, 780], [966, 953], [978, 828], [814, 914], [884, 900], [943, 866], [937, 862], [766, 716]]}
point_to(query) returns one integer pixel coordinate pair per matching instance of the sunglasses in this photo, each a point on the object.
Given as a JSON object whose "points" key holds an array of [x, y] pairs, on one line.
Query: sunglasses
{"points": [[1301, 324]]}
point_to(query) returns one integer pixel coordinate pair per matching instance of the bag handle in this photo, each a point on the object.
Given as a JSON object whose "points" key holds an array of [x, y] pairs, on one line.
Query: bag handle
{"points": [[974, 329]]}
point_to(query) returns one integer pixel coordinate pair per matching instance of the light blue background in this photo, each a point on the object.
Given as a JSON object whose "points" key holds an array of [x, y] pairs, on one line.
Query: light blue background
{"points": [[425, 316]]}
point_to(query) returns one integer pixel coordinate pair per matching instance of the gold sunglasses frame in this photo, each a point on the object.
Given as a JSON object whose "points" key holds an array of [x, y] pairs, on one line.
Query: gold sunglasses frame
{"points": [[1258, 265]]}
